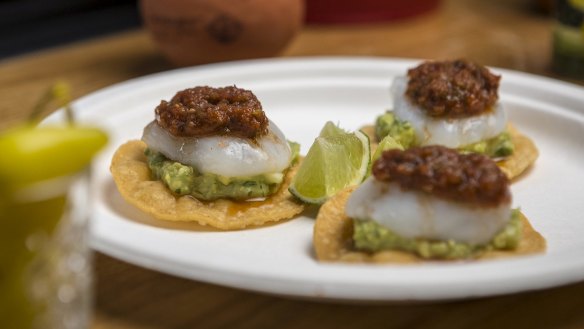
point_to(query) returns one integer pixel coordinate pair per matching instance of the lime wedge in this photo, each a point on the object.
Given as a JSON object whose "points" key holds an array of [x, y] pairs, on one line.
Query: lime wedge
{"points": [[32, 154], [336, 159], [387, 143], [331, 130]]}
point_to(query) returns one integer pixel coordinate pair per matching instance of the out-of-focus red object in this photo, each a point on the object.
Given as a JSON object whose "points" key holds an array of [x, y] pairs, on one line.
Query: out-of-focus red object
{"points": [[364, 11]]}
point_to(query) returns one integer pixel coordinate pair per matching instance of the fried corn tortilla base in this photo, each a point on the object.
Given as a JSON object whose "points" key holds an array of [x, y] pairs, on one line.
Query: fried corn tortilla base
{"points": [[333, 236], [133, 179], [514, 165], [524, 155]]}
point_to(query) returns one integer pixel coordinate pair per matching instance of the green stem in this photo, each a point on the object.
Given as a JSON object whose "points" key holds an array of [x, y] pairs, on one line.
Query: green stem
{"points": [[59, 92]]}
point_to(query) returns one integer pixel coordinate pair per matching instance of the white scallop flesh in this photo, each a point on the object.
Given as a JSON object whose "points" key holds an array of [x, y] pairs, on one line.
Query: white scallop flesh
{"points": [[414, 214], [452, 133], [227, 156]]}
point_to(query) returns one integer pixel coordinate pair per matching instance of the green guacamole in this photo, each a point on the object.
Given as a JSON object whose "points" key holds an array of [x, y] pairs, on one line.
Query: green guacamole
{"points": [[186, 180], [403, 132], [369, 236], [496, 147]]}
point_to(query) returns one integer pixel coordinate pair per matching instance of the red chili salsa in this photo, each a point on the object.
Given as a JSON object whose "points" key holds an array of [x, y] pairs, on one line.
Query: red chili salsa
{"points": [[443, 172], [205, 111], [452, 89]]}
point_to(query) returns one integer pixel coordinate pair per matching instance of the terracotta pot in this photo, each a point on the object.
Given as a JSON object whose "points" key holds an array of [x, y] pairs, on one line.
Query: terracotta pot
{"points": [[192, 32]]}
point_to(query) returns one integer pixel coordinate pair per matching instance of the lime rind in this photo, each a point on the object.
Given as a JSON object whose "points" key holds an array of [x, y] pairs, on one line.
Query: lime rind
{"points": [[366, 159]]}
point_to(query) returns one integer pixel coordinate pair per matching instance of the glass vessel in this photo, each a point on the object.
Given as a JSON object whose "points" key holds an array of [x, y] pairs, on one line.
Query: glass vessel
{"points": [[45, 272]]}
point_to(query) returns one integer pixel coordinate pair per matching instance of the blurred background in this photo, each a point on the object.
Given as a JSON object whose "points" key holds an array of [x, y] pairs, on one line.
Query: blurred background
{"points": [[41, 41], [29, 25]]}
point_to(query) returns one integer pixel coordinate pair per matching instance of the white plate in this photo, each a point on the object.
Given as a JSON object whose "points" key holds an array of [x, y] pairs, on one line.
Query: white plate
{"points": [[300, 95]]}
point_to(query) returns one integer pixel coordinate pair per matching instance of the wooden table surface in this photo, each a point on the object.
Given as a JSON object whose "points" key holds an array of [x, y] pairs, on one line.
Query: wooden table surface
{"points": [[500, 33]]}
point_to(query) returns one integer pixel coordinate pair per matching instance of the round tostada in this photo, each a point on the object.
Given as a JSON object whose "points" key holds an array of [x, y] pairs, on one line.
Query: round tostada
{"points": [[210, 156], [454, 104], [421, 204]]}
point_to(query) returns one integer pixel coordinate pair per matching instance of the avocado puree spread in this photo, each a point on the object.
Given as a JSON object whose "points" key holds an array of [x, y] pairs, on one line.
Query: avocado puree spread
{"points": [[186, 180], [370, 236], [403, 132], [498, 146]]}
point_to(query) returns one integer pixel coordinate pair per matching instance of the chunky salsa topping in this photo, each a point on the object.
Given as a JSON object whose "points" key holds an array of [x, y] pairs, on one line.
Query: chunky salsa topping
{"points": [[441, 171], [205, 111], [452, 89]]}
